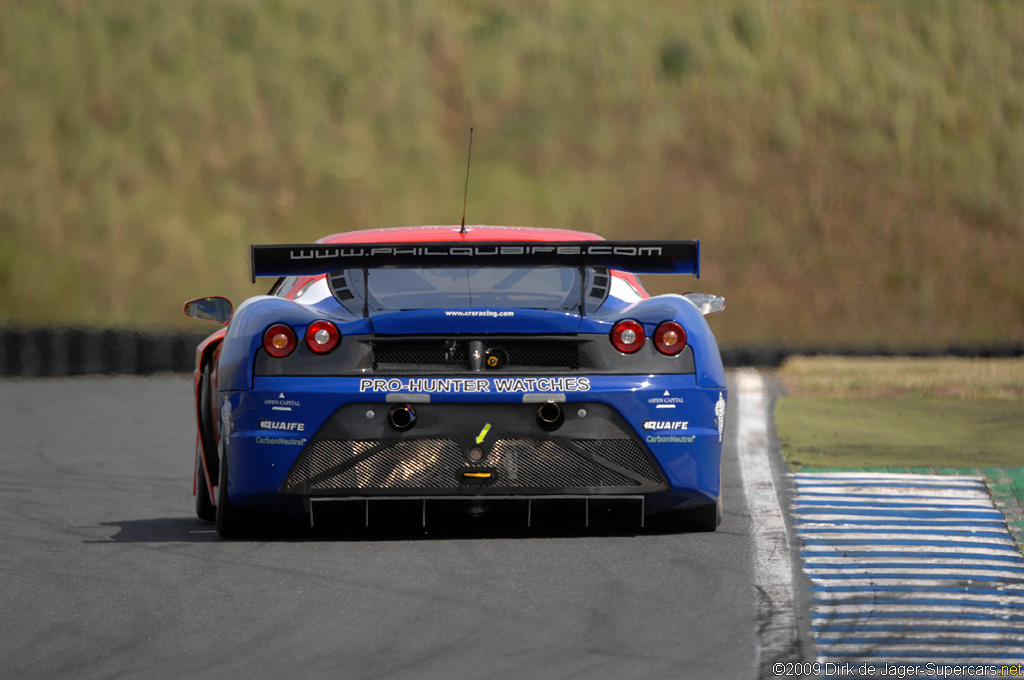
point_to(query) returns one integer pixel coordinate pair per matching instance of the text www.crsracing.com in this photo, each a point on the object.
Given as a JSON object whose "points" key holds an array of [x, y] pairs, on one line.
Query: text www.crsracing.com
{"points": [[479, 312]]}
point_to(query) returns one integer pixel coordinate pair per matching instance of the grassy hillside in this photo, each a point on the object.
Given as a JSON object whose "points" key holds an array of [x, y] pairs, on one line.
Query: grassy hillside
{"points": [[855, 170]]}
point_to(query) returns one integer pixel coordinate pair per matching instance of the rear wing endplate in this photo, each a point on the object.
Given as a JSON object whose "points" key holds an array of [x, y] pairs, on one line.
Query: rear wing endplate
{"points": [[638, 257]]}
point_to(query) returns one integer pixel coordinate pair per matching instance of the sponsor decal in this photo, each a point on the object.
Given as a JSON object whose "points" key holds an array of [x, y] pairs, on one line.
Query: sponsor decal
{"points": [[282, 403], [720, 415], [491, 313], [670, 439], [542, 384], [475, 385], [280, 440], [282, 425], [441, 250], [225, 420], [666, 425], [665, 400]]}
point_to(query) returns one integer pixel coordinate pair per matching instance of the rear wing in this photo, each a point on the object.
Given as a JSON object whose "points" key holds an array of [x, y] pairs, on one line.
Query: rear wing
{"points": [[638, 257]]}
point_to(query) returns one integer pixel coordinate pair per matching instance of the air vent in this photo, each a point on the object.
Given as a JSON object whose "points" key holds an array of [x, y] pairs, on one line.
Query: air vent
{"points": [[420, 356], [339, 286], [600, 284]]}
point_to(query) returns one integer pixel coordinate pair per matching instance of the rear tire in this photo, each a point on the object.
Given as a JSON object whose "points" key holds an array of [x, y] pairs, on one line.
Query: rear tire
{"points": [[205, 508], [232, 521]]}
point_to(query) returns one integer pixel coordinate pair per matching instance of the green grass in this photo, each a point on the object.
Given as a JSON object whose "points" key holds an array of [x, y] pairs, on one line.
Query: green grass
{"points": [[858, 433], [948, 378], [942, 416], [854, 169]]}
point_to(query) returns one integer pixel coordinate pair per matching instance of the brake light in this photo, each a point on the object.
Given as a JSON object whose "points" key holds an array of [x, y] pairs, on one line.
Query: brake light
{"points": [[279, 340], [322, 336], [628, 336], [669, 338]]}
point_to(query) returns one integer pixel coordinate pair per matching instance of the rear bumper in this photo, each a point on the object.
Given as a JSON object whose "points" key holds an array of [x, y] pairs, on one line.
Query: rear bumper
{"points": [[292, 440]]}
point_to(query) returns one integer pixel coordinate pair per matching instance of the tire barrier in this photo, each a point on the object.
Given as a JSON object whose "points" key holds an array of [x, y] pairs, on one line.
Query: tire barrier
{"points": [[33, 352], [55, 351]]}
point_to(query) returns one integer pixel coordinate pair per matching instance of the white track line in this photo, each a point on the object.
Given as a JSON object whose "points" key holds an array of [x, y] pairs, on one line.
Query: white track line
{"points": [[773, 575]]}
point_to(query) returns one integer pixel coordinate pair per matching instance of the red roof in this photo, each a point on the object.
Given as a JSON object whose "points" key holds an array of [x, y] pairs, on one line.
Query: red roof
{"points": [[475, 232]]}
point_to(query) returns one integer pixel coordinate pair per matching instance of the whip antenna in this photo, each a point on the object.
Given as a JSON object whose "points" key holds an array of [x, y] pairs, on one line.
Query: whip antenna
{"points": [[465, 191]]}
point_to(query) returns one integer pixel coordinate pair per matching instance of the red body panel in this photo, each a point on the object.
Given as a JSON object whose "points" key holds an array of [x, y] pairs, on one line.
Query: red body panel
{"points": [[476, 232], [206, 351], [451, 233]]}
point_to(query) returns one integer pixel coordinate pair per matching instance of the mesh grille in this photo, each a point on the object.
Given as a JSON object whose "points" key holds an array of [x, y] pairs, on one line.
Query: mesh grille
{"points": [[435, 464], [540, 463], [624, 453], [419, 356], [324, 455], [548, 354], [413, 464]]}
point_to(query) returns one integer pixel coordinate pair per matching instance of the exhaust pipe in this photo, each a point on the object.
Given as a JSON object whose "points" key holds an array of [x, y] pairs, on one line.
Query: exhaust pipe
{"points": [[550, 416], [402, 417]]}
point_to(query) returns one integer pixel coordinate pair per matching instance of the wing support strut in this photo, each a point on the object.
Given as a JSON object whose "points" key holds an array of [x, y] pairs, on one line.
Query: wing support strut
{"points": [[366, 291], [583, 288]]}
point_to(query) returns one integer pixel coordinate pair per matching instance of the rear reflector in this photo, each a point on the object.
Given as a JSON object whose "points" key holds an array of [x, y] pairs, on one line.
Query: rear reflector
{"points": [[279, 340], [669, 338]]}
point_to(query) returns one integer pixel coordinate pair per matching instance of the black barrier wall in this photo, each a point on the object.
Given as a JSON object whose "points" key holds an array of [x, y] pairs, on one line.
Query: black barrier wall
{"points": [[43, 352], [46, 352]]}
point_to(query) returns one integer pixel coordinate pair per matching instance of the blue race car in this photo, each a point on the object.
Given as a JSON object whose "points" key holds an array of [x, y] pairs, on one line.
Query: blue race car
{"points": [[468, 368]]}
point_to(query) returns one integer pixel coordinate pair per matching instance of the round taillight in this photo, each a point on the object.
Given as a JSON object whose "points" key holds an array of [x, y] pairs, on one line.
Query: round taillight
{"points": [[279, 340], [322, 336], [669, 338], [628, 336]]}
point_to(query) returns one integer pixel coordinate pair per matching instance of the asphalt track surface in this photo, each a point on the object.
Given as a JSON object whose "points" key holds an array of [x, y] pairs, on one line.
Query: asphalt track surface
{"points": [[107, 573]]}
